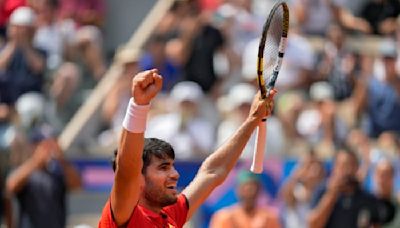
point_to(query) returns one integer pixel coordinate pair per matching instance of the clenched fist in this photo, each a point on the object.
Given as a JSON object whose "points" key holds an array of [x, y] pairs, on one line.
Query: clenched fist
{"points": [[145, 86]]}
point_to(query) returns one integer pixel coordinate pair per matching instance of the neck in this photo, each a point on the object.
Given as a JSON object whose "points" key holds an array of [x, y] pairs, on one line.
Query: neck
{"points": [[150, 205], [249, 208]]}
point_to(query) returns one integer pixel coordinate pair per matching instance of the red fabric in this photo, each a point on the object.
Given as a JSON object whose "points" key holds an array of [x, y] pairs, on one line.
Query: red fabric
{"points": [[6, 8], [173, 216]]}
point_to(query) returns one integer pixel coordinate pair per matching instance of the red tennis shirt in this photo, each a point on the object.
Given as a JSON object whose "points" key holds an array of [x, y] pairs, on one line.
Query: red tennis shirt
{"points": [[173, 216]]}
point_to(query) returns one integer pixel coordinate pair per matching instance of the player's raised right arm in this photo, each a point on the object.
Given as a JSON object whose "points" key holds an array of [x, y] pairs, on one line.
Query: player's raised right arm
{"points": [[128, 181]]}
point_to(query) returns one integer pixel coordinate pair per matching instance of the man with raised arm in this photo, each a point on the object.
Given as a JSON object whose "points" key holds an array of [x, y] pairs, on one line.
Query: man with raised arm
{"points": [[144, 193]]}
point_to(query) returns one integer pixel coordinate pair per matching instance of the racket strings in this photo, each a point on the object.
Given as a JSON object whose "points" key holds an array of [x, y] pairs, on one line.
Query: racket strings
{"points": [[273, 40]]}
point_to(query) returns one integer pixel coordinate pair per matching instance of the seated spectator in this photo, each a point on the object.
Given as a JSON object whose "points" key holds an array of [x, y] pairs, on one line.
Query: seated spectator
{"points": [[337, 64], [298, 190], [343, 203], [155, 57], [21, 65], [246, 213], [379, 99], [319, 123], [184, 127], [113, 110], [81, 21], [234, 108], [6, 8]]}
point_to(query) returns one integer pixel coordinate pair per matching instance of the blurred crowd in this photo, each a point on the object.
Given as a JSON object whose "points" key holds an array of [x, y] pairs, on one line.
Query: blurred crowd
{"points": [[338, 98]]}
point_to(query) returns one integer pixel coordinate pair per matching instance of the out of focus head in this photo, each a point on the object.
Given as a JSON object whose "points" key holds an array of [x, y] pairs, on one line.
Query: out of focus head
{"points": [[188, 96], [383, 178], [238, 99], [21, 23], [346, 163], [128, 58], [31, 109], [248, 187], [388, 51], [336, 35]]}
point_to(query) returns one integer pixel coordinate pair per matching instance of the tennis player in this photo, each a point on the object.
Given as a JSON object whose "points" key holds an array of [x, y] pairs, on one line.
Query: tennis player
{"points": [[145, 193]]}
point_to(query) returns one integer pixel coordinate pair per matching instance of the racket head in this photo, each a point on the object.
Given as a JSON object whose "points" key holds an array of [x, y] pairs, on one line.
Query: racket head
{"points": [[272, 47]]}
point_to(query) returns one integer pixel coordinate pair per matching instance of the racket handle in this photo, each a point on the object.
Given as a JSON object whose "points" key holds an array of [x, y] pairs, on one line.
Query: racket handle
{"points": [[259, 150]]}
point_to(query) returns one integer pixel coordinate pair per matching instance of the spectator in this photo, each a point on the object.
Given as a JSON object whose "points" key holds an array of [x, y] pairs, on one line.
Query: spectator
{"points": [[21, 65], [6, 8], [337, 64], [342, 202], [319, 123], [81, 21], [155, 57], [298, 190], [44, 177], [384, 188], [118, 98], [234, 108], [246, 213], [380, 99], [381, 15], [201, 41], [185, 128]]}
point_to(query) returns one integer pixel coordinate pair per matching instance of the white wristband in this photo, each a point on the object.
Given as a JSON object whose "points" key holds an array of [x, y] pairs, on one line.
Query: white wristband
{"points": [[135, 117]]}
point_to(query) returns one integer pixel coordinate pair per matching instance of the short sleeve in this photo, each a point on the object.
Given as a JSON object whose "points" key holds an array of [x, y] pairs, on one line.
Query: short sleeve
{"points": [[178, 212], [106, 220]]}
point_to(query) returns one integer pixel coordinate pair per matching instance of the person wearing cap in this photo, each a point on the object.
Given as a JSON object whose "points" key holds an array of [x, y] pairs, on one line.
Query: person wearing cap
{"points": [[184, 126], [379, 98], [246, 213], [144, 193], [21, 65]]}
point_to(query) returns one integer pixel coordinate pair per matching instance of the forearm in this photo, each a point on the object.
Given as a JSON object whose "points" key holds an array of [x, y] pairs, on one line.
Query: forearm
{"points": [[126, 189], [18, 178], [6, 56], [320, 215], [35, 60], [221, 162], [73, 179]]}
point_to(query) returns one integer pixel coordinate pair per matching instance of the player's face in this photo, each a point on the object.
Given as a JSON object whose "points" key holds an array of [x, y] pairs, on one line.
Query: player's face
{"points": [[161, 180]]}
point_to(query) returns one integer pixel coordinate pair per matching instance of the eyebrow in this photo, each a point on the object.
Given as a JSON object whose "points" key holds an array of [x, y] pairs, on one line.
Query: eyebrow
{"points": [[165, 163]]}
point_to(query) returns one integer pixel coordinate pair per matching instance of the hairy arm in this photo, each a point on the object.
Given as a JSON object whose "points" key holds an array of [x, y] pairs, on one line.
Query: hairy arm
{"points": [[125, 192], [217, 166]]}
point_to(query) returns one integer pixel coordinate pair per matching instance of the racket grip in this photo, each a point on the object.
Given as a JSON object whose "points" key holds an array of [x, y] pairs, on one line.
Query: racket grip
{"points": [[259, 150]]}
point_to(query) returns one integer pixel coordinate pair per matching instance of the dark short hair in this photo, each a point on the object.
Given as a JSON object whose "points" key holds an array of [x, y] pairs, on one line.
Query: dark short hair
{"points": [[348, 151], [153, 147]]}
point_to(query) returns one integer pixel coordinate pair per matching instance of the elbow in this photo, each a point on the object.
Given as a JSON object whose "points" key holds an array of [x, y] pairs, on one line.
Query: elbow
{"points": [[217, 176], [11, 187], [313, 221]]}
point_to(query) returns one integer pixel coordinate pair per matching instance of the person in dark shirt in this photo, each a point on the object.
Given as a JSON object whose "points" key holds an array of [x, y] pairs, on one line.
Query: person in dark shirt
{"points": [[21, 65], [40, 185], [381, 15], [343, 203]]}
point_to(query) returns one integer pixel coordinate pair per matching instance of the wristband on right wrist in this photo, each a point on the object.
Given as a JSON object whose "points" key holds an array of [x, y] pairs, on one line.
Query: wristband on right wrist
{"points": [[136, 117]]}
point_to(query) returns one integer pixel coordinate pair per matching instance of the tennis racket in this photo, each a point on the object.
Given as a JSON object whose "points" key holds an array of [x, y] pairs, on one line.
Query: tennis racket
{"points": [[269, 60]]}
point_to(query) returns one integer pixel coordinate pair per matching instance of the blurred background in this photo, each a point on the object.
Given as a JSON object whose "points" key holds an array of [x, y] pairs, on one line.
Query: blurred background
{"points": [[65, 72]]}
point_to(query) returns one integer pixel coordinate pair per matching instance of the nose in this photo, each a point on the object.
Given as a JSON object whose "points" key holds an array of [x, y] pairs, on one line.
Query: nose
{"points": [[174, 174]]}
